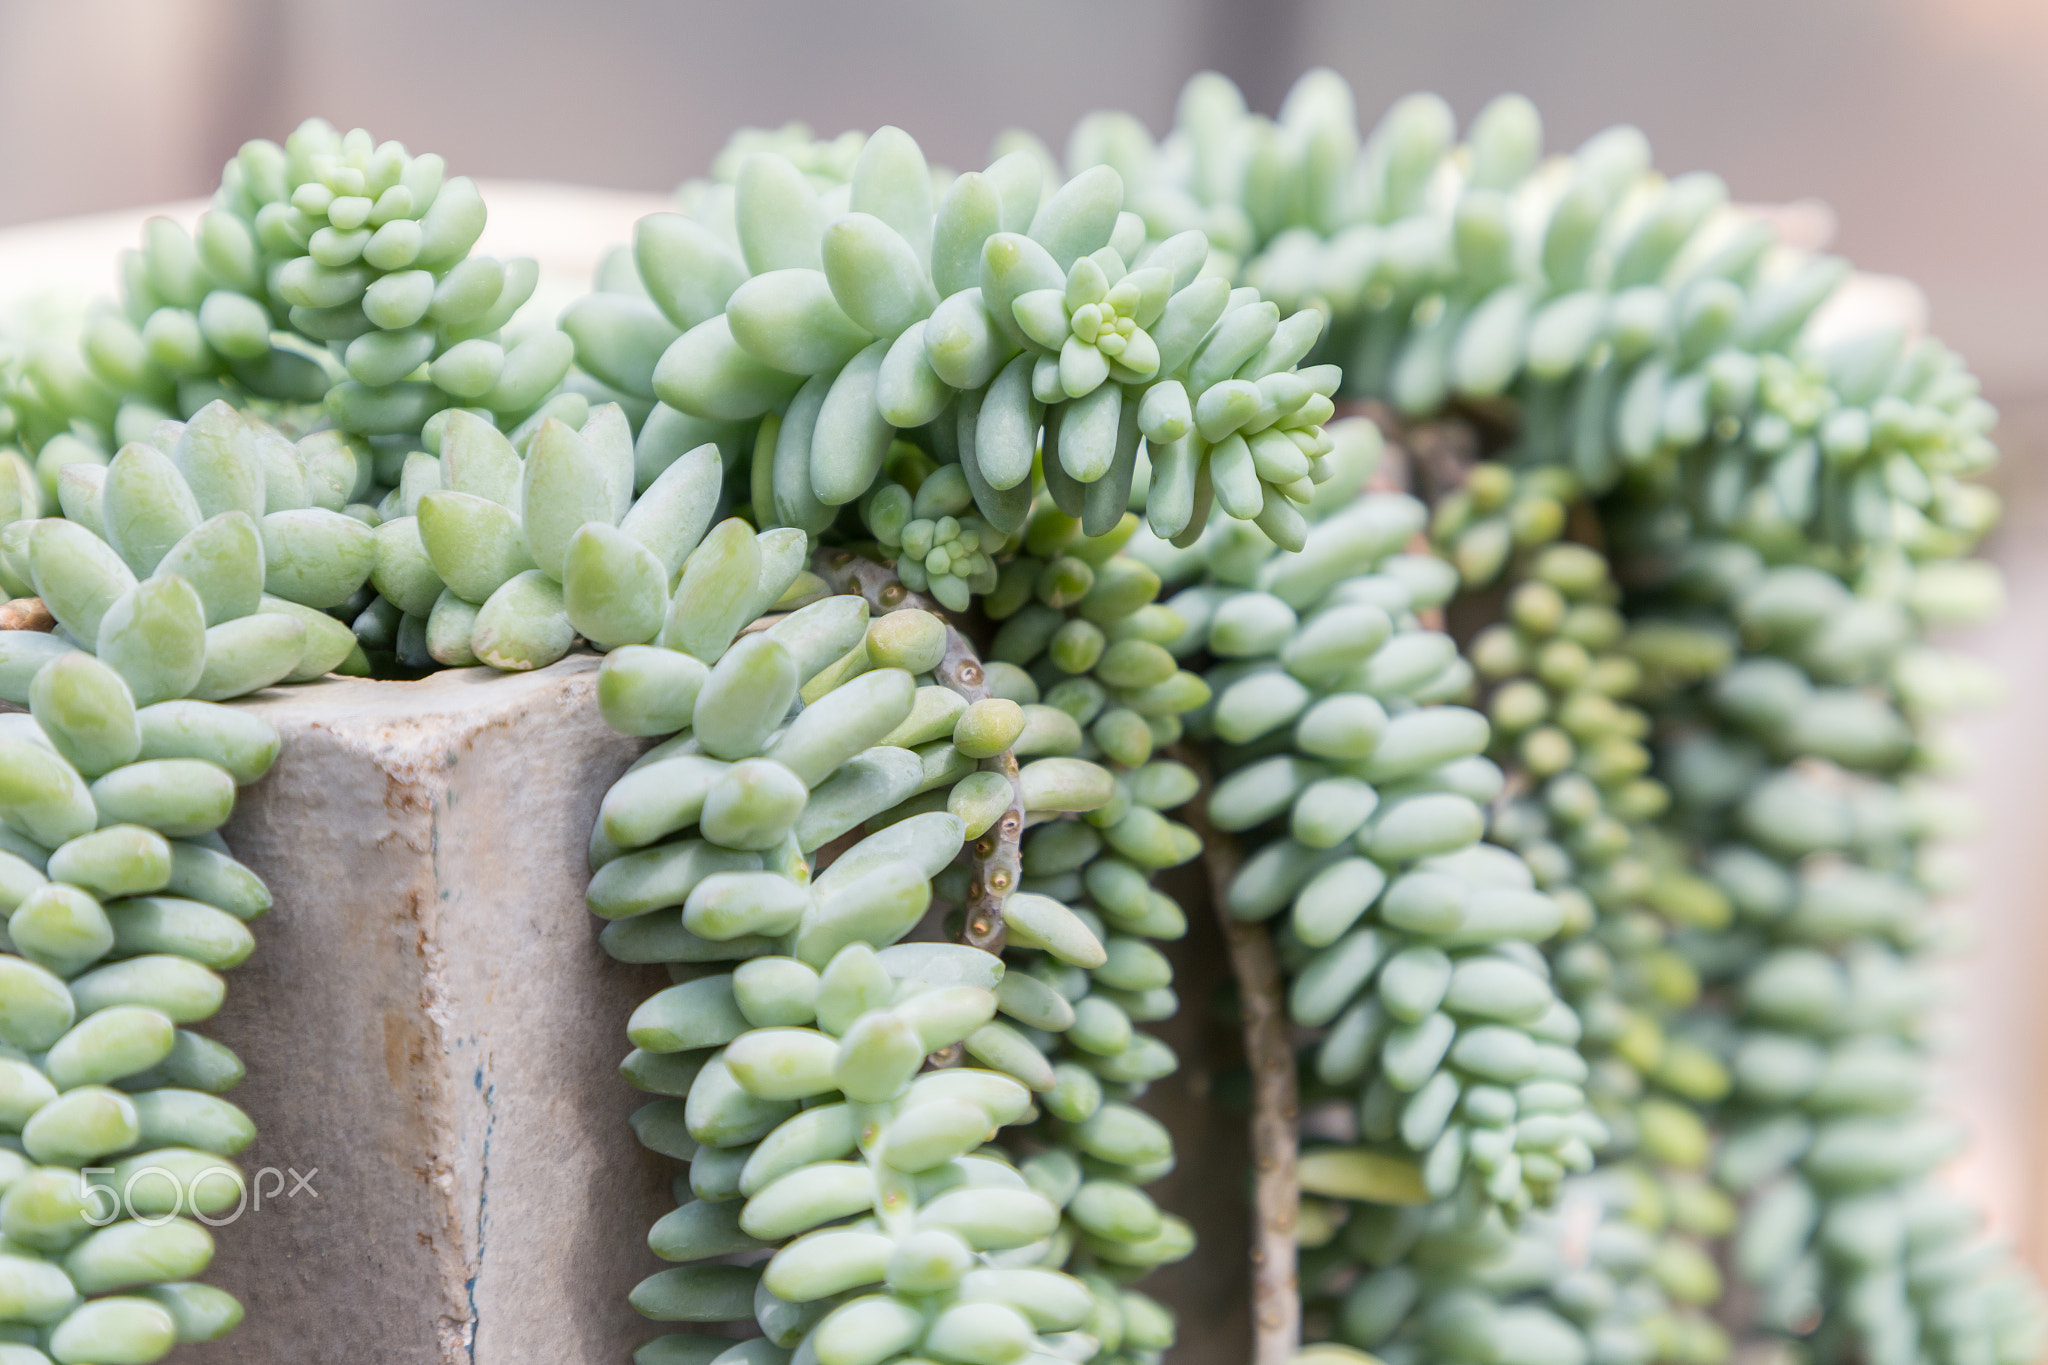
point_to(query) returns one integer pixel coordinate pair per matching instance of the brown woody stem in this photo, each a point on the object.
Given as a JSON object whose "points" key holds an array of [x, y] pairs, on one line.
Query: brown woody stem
{"points": [[1276, 1096], [998, 855], [1429, 460], [26, 613]]}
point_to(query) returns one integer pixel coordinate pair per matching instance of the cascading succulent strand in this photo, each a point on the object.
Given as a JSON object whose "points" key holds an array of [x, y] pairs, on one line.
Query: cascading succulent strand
{"points": [[124, 904], [1402, 932], [1079, 626], [734, 1048], [1088, 766], [875, 892], [1559, 686], [1825, 860], [123, 907], [1077, 978]]}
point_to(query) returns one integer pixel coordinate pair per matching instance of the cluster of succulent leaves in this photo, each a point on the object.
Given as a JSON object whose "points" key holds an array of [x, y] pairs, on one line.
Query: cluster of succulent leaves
{"points": [[833, 991], [1714, 708], [335, 271], [1006, 326], [1604, 938]]}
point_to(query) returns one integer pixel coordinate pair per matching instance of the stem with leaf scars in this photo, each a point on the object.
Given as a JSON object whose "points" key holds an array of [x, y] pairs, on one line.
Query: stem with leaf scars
{"points": [[998, 856], [1276, 1096]]}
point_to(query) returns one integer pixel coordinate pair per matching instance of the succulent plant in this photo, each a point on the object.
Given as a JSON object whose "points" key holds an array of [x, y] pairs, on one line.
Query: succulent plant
{"points": [[974, 549]]}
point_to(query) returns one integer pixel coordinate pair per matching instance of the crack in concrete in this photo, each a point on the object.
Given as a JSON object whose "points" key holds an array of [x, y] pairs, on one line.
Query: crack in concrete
{"points": [[483, 1204]]}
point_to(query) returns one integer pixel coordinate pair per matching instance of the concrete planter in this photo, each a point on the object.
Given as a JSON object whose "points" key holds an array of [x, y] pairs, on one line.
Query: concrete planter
{"points": [[431, 1033]]}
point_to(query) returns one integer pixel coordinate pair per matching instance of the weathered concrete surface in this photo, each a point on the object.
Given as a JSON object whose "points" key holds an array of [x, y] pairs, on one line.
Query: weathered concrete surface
{"points": [[430, 1026]]}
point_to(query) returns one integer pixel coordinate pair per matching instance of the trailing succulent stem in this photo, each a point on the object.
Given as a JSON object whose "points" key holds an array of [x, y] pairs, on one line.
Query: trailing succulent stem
{"points": [[123, 907], [998, 864]]}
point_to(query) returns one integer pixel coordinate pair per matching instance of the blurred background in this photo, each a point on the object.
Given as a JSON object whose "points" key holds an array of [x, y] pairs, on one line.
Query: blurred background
{"points": [[1919, 123]]}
